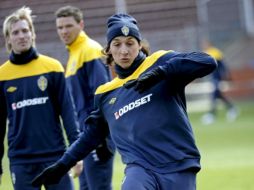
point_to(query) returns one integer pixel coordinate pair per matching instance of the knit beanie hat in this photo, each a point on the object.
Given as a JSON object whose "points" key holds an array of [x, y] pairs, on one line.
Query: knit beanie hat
{"points": [[122, 25]]}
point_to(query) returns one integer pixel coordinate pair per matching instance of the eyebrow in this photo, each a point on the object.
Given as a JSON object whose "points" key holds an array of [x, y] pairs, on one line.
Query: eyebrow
{"points": [[128, 38]]}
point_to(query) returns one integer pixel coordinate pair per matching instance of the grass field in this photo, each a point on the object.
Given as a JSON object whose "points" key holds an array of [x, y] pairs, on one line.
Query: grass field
{"points": [[227, 150]]}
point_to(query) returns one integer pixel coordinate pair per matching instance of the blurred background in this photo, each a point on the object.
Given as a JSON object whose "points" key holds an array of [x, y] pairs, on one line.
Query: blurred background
{"points": [[167, 24], [226, 147]]}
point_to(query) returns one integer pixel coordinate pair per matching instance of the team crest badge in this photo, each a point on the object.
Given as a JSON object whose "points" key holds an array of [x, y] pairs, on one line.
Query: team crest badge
{"points": [[42, 83], [125, 30], [112, 101]]}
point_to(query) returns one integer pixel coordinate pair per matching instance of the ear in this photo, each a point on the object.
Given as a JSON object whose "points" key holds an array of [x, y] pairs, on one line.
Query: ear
{"points": [[140, 46], [82, 24], [34, 37], [7, 39]]}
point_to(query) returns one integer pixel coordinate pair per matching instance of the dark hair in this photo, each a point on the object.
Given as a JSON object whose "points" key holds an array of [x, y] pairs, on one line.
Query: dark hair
{"points": [[109, 58], [68, 11]]}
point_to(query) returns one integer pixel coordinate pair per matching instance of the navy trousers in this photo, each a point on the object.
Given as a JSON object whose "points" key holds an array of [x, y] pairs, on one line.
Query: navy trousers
{"points": [[22, 176], [140, 178], [97, 174]]}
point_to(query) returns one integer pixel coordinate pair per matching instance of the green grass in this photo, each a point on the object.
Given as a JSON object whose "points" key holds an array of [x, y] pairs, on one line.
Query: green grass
{"points": [[227, 150]]}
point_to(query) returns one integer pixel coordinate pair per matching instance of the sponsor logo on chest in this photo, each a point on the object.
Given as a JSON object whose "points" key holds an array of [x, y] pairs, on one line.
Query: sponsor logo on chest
{"points": [[29, 102], [133, 105]]}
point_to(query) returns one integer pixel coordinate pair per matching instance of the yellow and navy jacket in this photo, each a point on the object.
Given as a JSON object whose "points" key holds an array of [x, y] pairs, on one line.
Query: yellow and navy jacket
{"points": [[85, 71], [152, 128], [34, 98]]}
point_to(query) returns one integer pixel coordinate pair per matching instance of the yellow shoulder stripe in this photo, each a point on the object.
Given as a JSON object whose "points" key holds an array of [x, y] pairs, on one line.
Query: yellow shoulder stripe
{"points": [[215, 53], [43, 64], [117, 82], [79, 56]]}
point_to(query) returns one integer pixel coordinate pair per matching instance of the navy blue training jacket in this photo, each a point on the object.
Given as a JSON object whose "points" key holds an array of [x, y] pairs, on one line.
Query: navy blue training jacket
{"points": [[34, 98], [151, 129], [84, 73]]}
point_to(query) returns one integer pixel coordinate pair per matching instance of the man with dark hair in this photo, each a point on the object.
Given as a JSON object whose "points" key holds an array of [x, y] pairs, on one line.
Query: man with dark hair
{"points": [[84, 73], [222, 73]]}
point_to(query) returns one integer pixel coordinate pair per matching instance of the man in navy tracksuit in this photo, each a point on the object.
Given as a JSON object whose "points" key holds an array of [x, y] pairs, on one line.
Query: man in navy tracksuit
{"points": [[85, 71], [34, 99], [219, 75], [145, 109]]}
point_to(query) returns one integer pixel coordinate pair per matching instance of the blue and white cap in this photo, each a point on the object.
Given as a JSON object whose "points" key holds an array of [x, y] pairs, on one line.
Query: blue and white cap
{"points": [[122, 25]]}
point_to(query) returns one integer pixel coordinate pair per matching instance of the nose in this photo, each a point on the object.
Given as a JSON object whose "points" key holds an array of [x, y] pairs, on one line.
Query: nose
{"points": [[123, 49], [62, 30], [21, 34]]}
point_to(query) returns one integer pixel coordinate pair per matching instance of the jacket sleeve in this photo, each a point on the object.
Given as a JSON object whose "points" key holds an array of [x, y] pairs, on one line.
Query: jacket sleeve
{"points": [[90, 138], [66, 108], [3, 117], [183, 68], [94, 73], [98, 73]]}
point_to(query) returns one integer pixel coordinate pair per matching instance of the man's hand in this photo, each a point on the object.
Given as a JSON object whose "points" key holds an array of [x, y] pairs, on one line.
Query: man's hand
{"points": [[147, 80], [77, 169], [50, 175]]}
